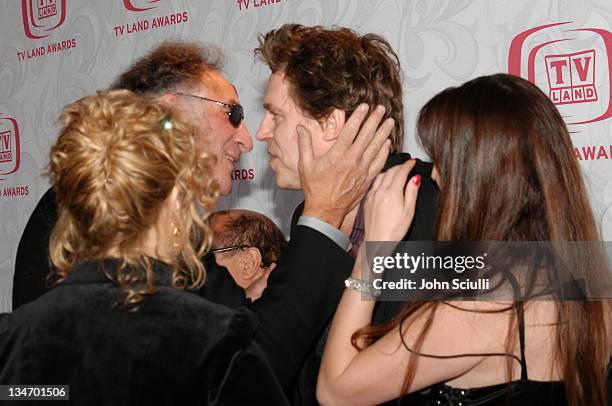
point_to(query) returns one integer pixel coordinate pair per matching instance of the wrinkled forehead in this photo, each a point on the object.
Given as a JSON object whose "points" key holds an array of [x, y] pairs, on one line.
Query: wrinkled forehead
{"points": [[213, 84], [217, 222]]}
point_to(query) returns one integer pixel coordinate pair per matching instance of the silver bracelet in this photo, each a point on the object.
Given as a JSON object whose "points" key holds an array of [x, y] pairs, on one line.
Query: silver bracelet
{"points": [[361, 286]]}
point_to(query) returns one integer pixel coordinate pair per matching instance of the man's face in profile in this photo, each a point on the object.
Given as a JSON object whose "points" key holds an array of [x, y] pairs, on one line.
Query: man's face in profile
{"points": [[217, 134], [278, 129]]}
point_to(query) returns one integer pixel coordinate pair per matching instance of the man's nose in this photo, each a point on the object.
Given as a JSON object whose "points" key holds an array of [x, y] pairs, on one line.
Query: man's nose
{"points": [[263, 132], [243, 138]]}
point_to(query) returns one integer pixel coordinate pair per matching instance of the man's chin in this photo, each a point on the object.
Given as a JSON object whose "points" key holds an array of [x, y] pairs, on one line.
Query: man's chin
{"points": [[283, 183], [225, 186]]}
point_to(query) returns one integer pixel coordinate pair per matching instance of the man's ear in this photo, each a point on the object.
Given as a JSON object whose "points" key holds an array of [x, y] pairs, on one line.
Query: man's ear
{"points": [[333, 124], [167, 99], [251, 261]]}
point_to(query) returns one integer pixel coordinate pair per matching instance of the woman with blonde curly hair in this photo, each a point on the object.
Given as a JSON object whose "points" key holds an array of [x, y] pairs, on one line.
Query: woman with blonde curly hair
{"points": [[120, 327]]}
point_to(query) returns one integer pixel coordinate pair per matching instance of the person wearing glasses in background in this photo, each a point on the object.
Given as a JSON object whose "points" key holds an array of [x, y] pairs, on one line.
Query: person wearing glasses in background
{"points": [[248, 245], [186, 78]]}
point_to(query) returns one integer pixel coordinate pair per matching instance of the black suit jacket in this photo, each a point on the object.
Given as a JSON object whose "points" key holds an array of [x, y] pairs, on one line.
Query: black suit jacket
{"points": [[422, 229], [302, 295], [32, 262]]}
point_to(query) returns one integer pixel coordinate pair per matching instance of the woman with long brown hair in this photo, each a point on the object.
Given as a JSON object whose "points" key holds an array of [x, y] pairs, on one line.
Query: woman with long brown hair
{"points": [[134, 186], [506, 171]]}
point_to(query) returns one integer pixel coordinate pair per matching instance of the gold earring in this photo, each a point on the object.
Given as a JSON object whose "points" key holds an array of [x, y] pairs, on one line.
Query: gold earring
{"points": [[176, 233]]}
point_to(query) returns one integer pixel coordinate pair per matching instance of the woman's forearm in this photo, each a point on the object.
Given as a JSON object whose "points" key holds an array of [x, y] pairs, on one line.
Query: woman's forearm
{"points": [[353, 313]]}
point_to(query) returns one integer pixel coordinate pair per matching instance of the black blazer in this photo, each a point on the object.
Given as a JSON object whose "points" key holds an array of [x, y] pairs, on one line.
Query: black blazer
{"points": [[302, 295], [177, 348], [422, 229], [32, 262]]}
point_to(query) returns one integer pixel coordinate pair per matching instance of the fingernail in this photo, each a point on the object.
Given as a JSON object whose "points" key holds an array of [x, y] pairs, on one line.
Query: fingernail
{"points": [[363, 107], [417, 180], [380, 108]]}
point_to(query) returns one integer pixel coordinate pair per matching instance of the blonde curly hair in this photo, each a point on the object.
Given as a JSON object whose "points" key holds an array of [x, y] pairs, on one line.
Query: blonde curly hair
{"points": [[113, 167]]}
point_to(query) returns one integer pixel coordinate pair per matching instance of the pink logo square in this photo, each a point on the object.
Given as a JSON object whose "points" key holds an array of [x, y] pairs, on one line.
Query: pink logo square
{"points": [[46, 8], [569, 78], [9, 146], [42, 16]]}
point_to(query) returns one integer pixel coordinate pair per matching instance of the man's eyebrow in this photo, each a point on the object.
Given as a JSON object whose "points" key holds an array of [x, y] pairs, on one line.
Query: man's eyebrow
{"points": [[272, 109], [234, 100]]}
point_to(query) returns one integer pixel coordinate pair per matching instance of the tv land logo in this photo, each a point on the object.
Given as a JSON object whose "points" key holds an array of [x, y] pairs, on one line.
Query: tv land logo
{"points": [[47, 8], [140, 5], [6, 150], [9, 146], [571, 77], [577, 79], [42, 16]]}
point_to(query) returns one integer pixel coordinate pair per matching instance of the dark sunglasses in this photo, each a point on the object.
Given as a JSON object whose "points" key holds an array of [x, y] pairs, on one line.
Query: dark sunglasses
{"points": [[235, 115], [235, 247]]}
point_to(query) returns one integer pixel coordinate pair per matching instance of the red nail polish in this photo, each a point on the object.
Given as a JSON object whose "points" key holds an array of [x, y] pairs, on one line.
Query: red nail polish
{"points": [[417, 180]]}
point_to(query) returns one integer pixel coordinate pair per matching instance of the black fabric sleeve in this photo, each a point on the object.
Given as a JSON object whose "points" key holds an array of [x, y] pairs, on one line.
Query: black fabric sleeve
{"points": [[32, 262], [301, 297], [422, 228], [296, 216], [251, 381], [424, 222]]}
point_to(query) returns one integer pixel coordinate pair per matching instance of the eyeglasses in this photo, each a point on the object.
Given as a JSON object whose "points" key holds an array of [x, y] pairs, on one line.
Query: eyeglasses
{"points": [[235, 115], [235, 247]]}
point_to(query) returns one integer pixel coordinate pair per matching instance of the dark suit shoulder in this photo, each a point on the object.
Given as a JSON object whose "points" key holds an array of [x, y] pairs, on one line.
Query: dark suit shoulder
{"points": [[32, 261], [295, 217], [422, 168]]}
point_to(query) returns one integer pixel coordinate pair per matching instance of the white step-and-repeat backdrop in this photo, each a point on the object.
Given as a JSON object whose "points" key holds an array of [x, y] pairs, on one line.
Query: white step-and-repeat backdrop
{"points": [[55, 51]]}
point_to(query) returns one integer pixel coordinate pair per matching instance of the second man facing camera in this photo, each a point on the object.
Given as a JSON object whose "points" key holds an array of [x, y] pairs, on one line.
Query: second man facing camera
{"points": [[321, 78], [249, 245]]}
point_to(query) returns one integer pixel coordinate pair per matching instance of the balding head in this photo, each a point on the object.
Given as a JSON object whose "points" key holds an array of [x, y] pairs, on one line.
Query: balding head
{"points": [[239, 227]]}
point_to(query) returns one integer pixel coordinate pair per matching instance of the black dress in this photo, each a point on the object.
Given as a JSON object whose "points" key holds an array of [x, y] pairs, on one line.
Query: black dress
{"points": [[177, 348], [523, 392]]}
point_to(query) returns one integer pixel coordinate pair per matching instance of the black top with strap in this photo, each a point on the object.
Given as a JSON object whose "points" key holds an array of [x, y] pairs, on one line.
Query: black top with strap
{"points": [[523, 392]]}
